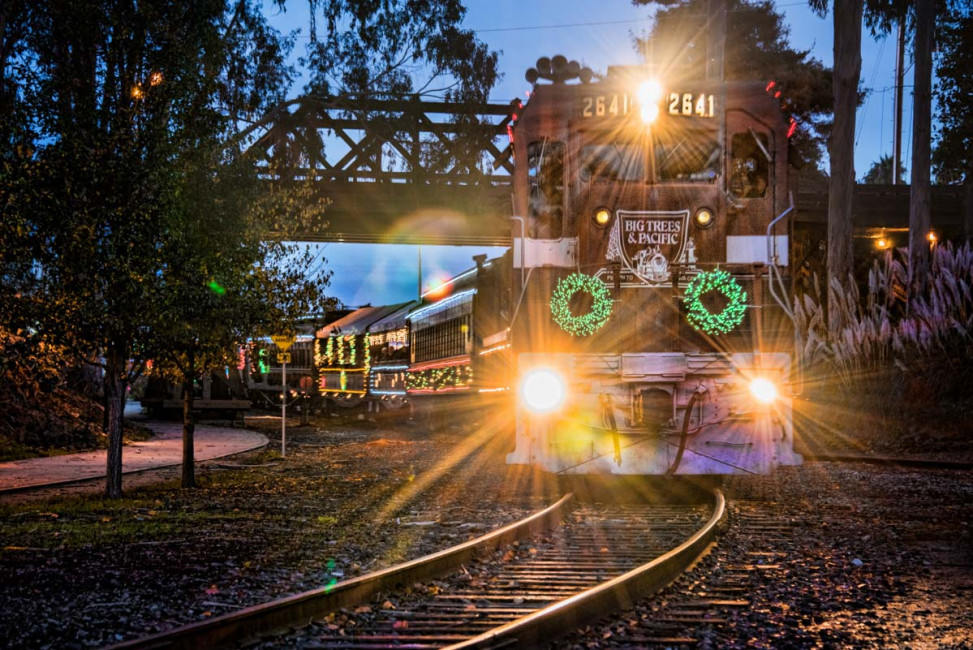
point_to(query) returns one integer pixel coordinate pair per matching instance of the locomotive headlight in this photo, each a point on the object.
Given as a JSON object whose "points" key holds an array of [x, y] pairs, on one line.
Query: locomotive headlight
{"points": [[763, 390], [704, 218], [649, 94], [542, 390], [602, 217], [649, 113]]}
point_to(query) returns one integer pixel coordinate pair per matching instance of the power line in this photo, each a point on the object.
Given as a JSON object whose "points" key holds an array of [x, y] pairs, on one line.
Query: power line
{"points": [[563, 26]]}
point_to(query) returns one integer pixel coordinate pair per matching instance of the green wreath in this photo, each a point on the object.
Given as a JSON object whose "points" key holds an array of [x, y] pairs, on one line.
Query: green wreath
{"points": [[586, 324], [700, 317]]}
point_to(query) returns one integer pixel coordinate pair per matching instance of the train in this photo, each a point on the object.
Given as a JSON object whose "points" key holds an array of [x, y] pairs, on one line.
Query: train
{"points": [[638, 323], [651, 333]]}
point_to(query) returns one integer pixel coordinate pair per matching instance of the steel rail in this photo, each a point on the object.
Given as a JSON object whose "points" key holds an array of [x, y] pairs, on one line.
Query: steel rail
{"points": [[300, 609], [618, 594], [917, 463]]}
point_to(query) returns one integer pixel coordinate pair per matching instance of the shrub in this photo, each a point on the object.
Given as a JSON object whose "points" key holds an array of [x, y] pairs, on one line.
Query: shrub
{"points": [[897, 346]]}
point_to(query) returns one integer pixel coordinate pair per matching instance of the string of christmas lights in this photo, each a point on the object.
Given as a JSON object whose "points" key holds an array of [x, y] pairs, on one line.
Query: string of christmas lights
{"points": [[700, 317], [585, 324]]}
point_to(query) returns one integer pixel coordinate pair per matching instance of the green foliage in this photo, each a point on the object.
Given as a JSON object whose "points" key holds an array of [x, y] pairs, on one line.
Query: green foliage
{"points": [[756, 49], [952, 158], [880, 173], [398, 47], [36, 412]]}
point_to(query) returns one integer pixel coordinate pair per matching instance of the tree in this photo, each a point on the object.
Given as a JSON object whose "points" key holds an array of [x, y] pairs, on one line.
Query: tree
{"points": [[847, 20], [114, 95], [757, 48], [107, 103], [880, 173], [919, 195], [224, 281], [397, 47], [953, 155]]}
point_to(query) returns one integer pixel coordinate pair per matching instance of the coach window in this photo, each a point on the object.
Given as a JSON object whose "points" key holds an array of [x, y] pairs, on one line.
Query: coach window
{"points": [[749, 165], [545, 164], [692, 157]]}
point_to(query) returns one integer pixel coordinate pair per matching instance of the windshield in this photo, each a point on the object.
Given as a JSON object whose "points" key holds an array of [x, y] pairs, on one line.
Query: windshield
{"points": [[612, 162], [692, 157]]}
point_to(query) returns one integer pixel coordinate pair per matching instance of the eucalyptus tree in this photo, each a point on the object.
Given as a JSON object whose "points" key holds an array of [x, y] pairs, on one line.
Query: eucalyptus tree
{"points": [[847, 20], [953, 155]]}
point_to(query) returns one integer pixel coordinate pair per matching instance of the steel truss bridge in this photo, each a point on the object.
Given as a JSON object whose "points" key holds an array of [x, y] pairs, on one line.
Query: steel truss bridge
{"points": [[418, 172]]}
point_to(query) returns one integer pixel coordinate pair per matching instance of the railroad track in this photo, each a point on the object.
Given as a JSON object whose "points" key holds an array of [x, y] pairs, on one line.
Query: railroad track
{"points": [[579, 565]]}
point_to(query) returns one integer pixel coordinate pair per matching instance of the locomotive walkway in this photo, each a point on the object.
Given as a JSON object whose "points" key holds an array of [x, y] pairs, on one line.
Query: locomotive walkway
{"points": [[164, 449]]}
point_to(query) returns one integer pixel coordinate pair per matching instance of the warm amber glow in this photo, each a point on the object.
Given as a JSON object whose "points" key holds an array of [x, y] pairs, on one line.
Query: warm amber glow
{"points": [[931, 237], [763, 390], [602, 216], [882, 243], [542, 390], [155, 78], [137, 92], [704, 218]]}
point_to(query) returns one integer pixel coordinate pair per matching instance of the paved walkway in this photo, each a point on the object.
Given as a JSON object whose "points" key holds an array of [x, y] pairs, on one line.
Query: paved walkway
{"points": [[162, 450]]}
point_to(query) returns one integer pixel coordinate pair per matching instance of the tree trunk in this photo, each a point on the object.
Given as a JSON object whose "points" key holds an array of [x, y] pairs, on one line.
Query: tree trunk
{"points": [[919, 217], [968, 206], [114, 387], [188, 425], [847, 16]]}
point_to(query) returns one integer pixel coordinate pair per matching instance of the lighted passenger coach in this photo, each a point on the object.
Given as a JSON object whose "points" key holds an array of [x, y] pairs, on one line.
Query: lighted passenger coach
{"points": [[650, 259]]}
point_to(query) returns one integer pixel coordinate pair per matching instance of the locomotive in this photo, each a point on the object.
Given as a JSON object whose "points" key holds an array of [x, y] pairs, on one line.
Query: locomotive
{"points": [[649, 332]]}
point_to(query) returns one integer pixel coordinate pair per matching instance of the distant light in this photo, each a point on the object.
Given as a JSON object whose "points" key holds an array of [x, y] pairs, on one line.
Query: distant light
{"points": [[137, 92], [438, 287], [602, 216], [931, 237], [155, 78], [217, 288], [882, 243]]}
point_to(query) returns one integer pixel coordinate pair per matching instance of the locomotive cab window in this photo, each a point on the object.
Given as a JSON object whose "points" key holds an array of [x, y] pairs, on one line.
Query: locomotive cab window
{"points": [[545, 161], [612, 162], [750, 165], [682, 157]]}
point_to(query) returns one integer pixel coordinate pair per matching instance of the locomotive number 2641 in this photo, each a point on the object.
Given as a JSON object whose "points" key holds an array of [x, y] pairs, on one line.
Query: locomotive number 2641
{"points": [[688, 104]]}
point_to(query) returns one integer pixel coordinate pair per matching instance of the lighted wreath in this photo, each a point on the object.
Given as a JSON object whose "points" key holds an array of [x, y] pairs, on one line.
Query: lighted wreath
{"points": [[700, 317], [585, 324]]}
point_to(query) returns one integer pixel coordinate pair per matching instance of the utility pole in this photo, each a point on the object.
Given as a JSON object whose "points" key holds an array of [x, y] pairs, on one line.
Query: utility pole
{"points": [[899, 76], [419, 287]]}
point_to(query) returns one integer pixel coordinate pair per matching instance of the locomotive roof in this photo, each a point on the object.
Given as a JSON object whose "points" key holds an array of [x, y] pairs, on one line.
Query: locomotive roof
{"points": [[361, 320]]}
